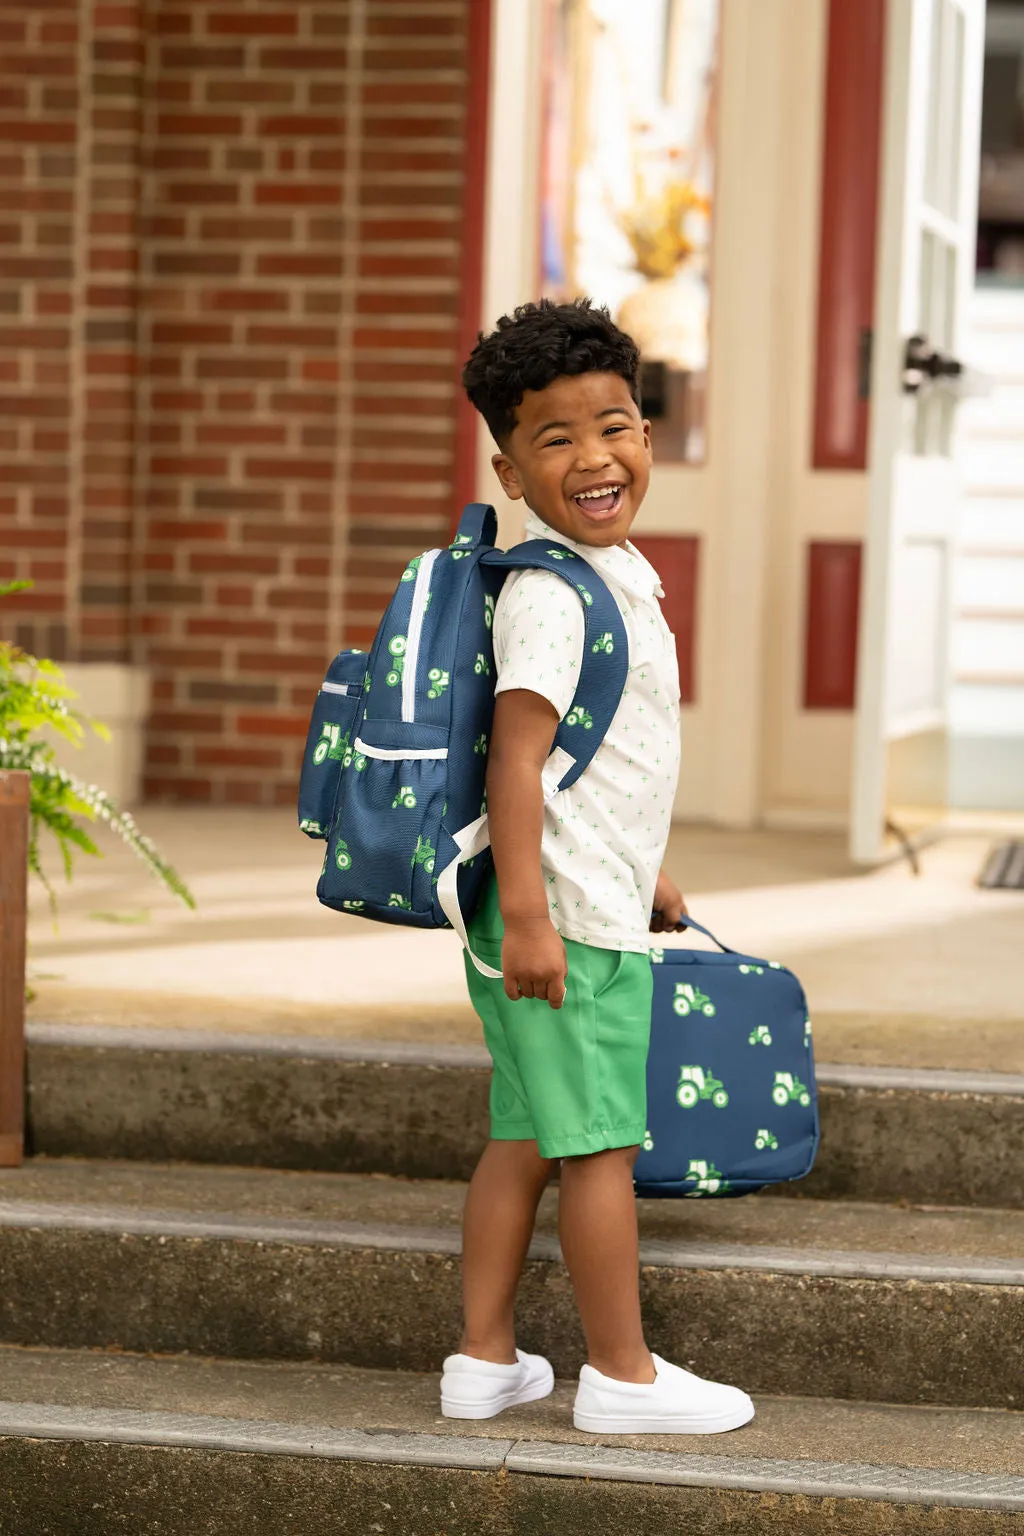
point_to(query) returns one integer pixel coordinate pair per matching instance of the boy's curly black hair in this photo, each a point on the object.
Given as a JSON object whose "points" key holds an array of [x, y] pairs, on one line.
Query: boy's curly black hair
{"points": [[537, 344]]}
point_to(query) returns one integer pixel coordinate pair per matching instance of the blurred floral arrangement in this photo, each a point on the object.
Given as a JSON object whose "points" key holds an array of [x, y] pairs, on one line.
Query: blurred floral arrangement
{"points": [[656, 226]]}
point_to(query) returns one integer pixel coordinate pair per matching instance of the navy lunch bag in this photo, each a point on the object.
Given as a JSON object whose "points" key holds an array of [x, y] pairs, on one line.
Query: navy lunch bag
{"points": [[731, 1098]]}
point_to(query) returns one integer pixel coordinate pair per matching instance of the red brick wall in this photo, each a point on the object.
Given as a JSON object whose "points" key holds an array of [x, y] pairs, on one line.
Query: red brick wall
{"points": [[257, 249], [38, 132]]}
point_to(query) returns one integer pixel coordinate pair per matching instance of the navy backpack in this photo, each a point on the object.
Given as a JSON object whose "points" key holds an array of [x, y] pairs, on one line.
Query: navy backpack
{"points": [[731, 1098], [394, 770]]}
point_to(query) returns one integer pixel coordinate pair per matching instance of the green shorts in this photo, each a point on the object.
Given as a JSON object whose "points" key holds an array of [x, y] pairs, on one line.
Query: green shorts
{"points": [[571, 1079]]}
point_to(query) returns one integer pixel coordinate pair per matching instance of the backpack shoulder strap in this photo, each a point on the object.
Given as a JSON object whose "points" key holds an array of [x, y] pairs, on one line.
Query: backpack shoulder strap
{"points": [[605, 663]]}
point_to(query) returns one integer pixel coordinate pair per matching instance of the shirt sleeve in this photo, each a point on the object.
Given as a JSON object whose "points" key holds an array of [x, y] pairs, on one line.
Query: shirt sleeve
{"points": [[539, 633]]}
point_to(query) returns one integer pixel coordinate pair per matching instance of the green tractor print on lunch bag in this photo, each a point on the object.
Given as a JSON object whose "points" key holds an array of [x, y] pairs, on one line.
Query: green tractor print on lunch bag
{"points": [[690, 999], [405, 797], [424, 854], [396, 647], [751, 970], [764, 1141], [789, 1089], [762, 1035], [342, 857], [695, 1083], [580, 716], [708, 1178], [648, 1142]]}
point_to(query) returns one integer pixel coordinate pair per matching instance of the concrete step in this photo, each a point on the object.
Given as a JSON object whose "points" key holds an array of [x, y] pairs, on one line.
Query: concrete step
{"points": [[935, 1137], [841, 1300], [93, 1443]]}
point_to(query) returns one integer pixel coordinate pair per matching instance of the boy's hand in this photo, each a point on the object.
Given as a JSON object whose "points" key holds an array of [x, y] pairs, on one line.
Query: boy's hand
{"points": [[533, 960], [669, 906]]}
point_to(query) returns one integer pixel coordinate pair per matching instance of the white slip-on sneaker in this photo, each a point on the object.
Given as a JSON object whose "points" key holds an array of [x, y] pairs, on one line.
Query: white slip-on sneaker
{"points": [[675, 1403], [476, 1389]]}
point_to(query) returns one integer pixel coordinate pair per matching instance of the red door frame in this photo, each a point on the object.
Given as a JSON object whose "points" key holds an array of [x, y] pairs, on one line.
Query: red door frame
{"points": [[474, 222]]}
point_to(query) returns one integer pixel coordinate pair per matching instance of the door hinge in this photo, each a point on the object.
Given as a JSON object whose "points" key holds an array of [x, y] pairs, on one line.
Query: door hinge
{"points": [[864, 349]]}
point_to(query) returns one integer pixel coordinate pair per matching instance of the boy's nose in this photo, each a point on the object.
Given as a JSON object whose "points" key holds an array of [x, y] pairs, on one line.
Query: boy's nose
{"points": [[593, 456]]}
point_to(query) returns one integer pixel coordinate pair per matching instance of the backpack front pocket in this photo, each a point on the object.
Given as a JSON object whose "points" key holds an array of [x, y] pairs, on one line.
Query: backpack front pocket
{"points": [[383, 848]]}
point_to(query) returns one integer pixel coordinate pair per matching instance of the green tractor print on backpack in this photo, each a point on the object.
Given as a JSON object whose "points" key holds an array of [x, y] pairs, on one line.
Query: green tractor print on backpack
{"points": [[332, 744], [789, 1089], [480, 745], [405, 797], [605, 644], [764, 1141], [424, 854], [648, 1142], [396, 648], [353, 759], [695, 1083], [342, 857], [586, 596], [397, 900], [760, 1035], [353, 906], [580, 716], [488, 610], [559, 554], [751, 970], [409, 574], [708, 1179], [690, 999], [481, 666], [438, 681], [458, 553]]}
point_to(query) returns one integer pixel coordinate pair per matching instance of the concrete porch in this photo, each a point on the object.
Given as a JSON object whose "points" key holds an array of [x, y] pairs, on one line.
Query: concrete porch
{"points": [[899, 970]]}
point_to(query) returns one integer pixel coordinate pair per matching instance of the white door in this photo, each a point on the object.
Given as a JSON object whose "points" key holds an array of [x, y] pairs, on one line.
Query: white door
{"points": [[925, 271]]}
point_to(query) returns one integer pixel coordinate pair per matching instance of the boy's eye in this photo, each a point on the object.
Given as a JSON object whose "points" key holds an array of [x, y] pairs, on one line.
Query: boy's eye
{"points": [[555, 441], [620, 428]]}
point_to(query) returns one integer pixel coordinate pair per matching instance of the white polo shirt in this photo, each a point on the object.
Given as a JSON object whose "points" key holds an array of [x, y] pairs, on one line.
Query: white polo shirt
{"points": [[604, 838]]}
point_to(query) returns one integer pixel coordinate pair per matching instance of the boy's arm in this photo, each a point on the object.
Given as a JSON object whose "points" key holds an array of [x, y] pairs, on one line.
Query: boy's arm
{"points": [[532, 954]]}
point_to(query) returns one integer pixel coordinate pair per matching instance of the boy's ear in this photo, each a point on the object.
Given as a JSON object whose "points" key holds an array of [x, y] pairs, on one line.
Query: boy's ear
{"points": [[509, 476], [647, 436]]}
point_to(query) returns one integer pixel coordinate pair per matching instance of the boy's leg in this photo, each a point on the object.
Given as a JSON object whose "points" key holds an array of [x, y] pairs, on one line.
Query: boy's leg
{"points": [[598, 1230], [497, 1226]]}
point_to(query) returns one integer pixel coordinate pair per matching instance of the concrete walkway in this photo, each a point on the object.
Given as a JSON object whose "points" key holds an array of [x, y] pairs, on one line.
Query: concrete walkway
{"points": [[900, 970]]}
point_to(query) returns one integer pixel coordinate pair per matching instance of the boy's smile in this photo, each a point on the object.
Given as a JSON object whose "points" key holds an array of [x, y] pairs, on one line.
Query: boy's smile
{"points": [[580, 456]]}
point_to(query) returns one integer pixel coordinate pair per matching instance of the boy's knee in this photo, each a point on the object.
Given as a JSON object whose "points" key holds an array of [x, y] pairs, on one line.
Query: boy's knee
{"points": [[608, 1157]]}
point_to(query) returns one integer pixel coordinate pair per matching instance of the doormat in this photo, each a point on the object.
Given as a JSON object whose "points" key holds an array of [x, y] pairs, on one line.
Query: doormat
{"points": [[1003, 869]]}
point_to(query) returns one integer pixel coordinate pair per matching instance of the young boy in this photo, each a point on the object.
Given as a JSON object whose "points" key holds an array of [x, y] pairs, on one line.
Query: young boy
{"points": [[568, 915]]}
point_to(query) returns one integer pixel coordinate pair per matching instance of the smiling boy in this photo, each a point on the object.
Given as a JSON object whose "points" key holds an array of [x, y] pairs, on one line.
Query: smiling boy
{"points": [[578, 886]]}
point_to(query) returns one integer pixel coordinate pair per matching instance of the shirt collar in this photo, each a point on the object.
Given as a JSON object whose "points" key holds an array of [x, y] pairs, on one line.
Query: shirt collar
{"points": [[626, 566]]}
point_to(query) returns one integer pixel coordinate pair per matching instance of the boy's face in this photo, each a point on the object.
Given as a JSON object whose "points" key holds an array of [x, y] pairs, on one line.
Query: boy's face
{"points": [[580, 456]]}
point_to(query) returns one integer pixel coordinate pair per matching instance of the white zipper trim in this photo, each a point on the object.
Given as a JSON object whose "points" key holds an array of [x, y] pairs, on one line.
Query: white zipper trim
{"points": [[420, 593], [398, 754], [334, 688]]}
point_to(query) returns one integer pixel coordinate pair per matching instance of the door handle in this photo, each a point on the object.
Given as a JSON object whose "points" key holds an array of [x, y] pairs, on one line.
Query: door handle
{"points": [[923, 364]]}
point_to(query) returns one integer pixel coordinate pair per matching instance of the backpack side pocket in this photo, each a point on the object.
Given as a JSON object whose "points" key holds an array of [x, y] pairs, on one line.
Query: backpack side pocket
{"points": [[329, 740]]}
